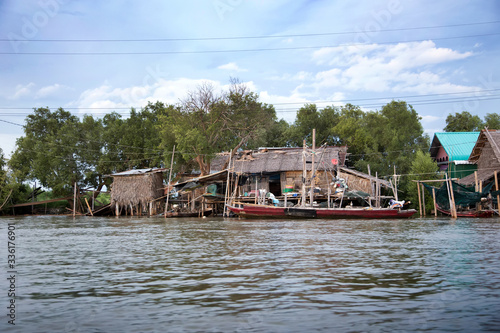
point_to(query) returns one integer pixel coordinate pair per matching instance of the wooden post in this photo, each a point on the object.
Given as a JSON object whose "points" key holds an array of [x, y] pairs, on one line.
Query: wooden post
{"points": [[285, 199], [419, 198], [169, 178], [329, 193], [395, 184], [453, 209], [475, 178], [227, 187], [434, 199], [256, 191], [90, 210], [304, 175], [311, 192], [74, 201], [423, 199], [117, 212], [496, 187]]}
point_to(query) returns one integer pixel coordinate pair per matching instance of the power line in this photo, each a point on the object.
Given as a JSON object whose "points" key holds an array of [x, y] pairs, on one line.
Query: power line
{"points": [[256, 37], [242, 50], [416, 102]]}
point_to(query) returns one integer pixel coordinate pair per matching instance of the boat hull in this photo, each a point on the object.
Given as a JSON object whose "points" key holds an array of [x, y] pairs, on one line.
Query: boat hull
{"points": [[473, 213], [261, 211]]}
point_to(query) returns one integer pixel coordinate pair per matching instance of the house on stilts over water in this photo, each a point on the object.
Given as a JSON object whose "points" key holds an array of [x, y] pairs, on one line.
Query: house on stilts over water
{"points": [[138, 192]]}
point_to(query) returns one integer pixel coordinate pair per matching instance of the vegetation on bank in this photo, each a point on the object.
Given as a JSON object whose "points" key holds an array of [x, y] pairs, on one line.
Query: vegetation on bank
{"points": [[59, 149]]}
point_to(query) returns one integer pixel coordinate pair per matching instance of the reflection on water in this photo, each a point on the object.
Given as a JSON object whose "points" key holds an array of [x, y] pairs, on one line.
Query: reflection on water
{"points": [[215, 275]]}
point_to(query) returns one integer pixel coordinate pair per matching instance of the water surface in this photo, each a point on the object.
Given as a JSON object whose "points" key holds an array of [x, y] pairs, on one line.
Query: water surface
{"points": [[228, 275]]}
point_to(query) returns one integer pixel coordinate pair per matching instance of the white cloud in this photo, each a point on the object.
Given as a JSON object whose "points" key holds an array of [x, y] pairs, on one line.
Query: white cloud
{"points": [[167, 91], [232, 67], [22, 91], [378, 68], [52, 90]]}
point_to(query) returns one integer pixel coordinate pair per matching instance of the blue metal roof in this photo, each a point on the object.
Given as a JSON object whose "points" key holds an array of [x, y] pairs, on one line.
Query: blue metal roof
{"points": [[458, 145]]}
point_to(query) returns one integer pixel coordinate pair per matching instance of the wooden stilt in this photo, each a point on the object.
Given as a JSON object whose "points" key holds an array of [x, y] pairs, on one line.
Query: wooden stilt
{"points": [[496, 187], [419, 198], [169, 179], [434, 199], [74, 201], [90, 210], [423, 199]]}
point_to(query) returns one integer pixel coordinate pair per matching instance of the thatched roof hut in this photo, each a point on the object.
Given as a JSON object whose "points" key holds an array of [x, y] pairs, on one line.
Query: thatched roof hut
{"points": [[134, 187], [270, 160], [486, 154]]}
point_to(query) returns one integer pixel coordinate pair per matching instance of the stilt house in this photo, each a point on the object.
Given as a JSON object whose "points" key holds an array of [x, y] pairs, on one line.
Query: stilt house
{"points": [[136, 191], [486, 156]]}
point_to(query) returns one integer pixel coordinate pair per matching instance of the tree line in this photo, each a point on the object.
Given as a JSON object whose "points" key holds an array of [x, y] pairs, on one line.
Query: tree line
{"points": [[59, 149]]}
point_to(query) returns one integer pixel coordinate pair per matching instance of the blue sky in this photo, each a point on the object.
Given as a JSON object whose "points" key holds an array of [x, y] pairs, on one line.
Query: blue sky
{"points": [[440, 56]]}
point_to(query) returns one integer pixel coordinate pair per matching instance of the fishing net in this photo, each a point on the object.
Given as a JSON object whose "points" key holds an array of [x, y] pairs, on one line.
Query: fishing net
{"points": [[465, 196]]}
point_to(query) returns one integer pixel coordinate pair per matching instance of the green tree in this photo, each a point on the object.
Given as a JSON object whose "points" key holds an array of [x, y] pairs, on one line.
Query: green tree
{"points": [[463, 122], [208, 123], [492, 121], [47, 152], [308, 118], [423, 167]]}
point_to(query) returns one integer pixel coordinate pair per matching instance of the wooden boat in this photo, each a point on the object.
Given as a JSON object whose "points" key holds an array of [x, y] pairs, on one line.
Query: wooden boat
{"points": [[468, 213], [268, 211], [189, 214]]}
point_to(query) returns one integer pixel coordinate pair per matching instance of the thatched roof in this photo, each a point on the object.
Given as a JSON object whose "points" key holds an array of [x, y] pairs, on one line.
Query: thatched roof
{"points": [[135, 187], [491, 137], [269, 160], [360, 174]]}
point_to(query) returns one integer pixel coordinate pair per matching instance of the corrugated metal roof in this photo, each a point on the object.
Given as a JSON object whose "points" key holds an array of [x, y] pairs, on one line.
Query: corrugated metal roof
{"points": [[138, 172], [458, 145]]}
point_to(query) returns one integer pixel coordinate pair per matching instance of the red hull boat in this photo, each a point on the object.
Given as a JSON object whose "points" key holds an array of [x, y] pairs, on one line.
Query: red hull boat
{"points": [[264, 211], [469, 213]]}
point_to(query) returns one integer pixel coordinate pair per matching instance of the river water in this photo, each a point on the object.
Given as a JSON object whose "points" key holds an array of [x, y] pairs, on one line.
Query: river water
{"points": [[228, 275]]}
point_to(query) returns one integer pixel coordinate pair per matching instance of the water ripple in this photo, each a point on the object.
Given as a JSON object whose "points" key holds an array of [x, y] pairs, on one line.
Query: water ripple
{"points": [[215, 275]]}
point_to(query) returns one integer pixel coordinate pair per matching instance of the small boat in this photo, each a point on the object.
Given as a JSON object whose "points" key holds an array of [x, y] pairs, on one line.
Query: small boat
{"points": [[267, 211], [468, 213], [189, 214]]}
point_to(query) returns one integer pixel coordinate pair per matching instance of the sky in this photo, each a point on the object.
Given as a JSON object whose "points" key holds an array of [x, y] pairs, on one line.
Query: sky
{"points": [[96, 57]]}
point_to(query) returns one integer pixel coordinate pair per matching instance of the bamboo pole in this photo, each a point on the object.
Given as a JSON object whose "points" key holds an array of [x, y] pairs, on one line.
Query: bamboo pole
{"points": [[311, 191], [227, 187], [496, 187], [303, 191], [169, 179], [453, 209], [419, 198], [475, 180], [423, 199], [90, 210], [74, 201], [434, 199]]}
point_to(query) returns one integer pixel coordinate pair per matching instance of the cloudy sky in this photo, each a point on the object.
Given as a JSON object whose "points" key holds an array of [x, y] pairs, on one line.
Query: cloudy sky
{"points": [[96, 57]]}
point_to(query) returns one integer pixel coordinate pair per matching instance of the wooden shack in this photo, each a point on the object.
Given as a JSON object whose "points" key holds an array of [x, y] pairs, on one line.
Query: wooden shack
{"points": [[486, 155], [135, 192], [280, 170]]}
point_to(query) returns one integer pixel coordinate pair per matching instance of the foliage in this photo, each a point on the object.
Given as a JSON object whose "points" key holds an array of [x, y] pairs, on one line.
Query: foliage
{"points": [[492, 121], [309, 118], [47, 151], [208, 123], [422, 167], [463, 122]]}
